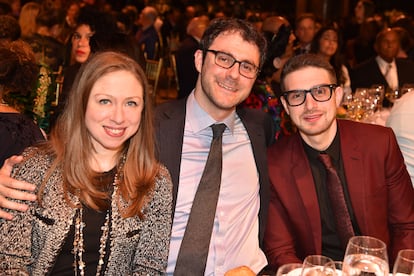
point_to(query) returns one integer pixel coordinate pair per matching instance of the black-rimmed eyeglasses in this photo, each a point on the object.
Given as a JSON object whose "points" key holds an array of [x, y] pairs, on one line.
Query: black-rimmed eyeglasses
{"points": [[226, 61], [320, 93]]}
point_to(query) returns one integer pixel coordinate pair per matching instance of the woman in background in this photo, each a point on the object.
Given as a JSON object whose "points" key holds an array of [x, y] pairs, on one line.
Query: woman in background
{"points": [[326, 43], [18, 75], [27, 18]]}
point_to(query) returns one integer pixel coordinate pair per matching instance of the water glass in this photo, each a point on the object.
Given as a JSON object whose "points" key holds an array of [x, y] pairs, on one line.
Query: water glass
{"points": [[291, 269], [317, 265], [404, 264], [329, 271], [365, 255]]}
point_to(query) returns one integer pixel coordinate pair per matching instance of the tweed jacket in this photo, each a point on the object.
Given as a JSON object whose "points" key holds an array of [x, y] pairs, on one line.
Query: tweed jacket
{"points": [[32, 241]]}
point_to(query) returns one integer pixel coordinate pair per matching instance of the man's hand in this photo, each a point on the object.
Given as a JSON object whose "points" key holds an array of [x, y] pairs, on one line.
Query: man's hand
{"points": [[12, 188], [240, 271]]}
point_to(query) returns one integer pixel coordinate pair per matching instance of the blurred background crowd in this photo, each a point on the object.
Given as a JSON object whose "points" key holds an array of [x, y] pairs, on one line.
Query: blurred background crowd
{"points": [[63, 33]]}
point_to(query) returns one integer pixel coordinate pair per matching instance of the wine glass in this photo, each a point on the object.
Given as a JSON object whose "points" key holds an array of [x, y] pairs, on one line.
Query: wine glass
{"points": [[379, 92], [333, 270], [317, 265], [404, 264], [365, 255], [291, 269], [392, 95]]}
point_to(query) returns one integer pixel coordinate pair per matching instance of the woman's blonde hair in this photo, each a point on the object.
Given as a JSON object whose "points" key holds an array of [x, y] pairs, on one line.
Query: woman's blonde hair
{"points": [[27, 18], [71, 143]]}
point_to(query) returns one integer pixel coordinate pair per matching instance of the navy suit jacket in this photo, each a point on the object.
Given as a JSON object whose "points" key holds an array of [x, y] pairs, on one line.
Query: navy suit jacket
{"points": [[169, 131], [380, 189]]}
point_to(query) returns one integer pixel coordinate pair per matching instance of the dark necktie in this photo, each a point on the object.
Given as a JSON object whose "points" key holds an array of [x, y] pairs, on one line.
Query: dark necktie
{"points": [[336, 195], [192, 256]]}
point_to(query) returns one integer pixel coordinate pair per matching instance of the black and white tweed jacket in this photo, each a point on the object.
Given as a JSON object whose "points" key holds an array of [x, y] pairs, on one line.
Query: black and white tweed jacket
{"points": [[31, 242]]}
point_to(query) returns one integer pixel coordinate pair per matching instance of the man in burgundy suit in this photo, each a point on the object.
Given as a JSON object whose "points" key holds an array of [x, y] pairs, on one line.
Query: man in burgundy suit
{"points": [[379, 197]]}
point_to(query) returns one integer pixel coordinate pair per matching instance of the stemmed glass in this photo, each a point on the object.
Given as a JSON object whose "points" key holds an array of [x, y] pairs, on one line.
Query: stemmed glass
{"points": [[291, 269], [365, 255], [333, 272], [404, 264], [317, 265], [392, 95], [378, 91]]}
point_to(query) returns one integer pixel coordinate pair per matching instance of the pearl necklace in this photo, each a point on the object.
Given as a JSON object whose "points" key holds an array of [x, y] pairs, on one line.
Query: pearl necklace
{"points": [[78, 247]]}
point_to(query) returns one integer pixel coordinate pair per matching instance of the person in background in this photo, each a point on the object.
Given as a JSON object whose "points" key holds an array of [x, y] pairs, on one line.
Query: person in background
{"points": [[27, 18], [400, 120], [372, 182], [104, 202], [384, 69], [406, 43], [147, 36], [263, 96], [173, 29], [327, 43], [78, 51], [18, 75], [47, 48], [305, 30], [72, 9], [186, 71], [9, 28], [231, 53], [361, 48], [364, 10], [404, 25]]}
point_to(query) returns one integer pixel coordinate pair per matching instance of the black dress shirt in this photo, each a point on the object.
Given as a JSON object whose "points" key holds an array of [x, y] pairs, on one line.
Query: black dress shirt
{"points": [[331, 245]]}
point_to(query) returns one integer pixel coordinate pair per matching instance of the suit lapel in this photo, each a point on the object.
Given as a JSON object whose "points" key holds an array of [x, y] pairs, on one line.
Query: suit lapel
{"points": [[303, 179], [354, 170], [170, 134], [257, 137]]}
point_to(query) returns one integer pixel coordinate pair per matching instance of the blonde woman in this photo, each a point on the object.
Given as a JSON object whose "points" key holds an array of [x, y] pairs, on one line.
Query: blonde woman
{"points": [[27, 18]]}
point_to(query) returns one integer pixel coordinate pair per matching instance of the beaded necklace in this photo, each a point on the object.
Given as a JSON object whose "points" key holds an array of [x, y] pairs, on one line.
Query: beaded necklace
{"points": [[78, 247], [78, 242]]}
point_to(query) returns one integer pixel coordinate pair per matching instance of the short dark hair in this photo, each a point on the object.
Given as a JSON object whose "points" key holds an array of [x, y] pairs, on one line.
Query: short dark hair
{"points": [[9, 28], [306, 60], [234, 25], [50, 17], [18, 70], [304, 16]]}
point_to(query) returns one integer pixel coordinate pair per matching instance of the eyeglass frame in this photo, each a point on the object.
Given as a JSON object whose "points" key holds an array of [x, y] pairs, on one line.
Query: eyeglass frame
{"points": [[332, 88], [215, 52]]}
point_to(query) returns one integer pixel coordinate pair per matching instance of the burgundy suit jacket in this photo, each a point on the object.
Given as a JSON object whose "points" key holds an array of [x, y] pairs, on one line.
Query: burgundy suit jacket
{"points": [[380, 189]]}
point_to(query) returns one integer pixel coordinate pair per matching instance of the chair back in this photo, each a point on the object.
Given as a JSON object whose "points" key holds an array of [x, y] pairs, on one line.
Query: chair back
{"points": [[174, 74], [153, 71]]}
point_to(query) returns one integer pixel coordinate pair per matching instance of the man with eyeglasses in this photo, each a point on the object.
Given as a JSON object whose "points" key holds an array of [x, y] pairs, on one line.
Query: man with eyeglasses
{"points": [[306, 214], [228, 61]]}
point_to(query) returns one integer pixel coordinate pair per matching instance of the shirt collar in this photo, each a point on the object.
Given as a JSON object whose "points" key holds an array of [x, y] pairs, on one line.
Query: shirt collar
{"points": [[383, 64], [199, 119], [333, 150]]}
